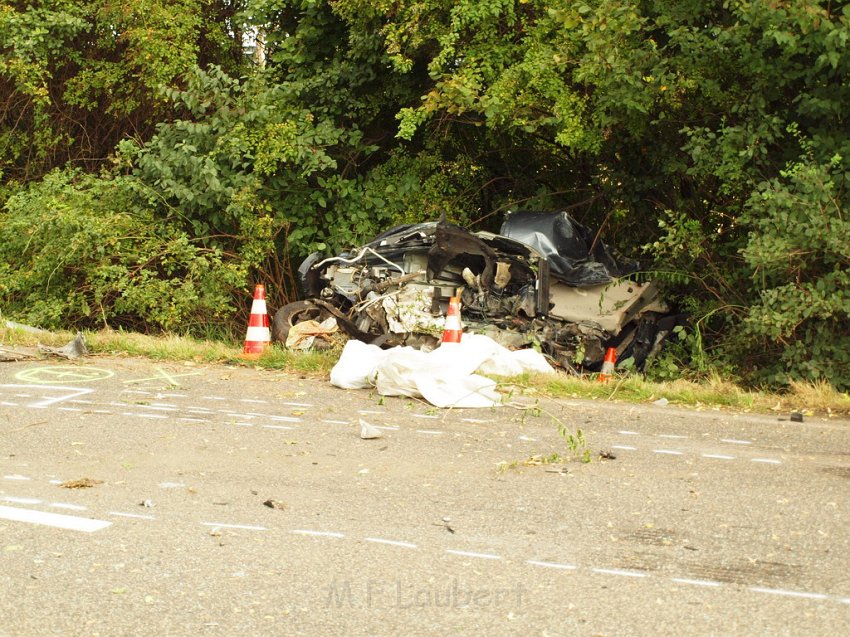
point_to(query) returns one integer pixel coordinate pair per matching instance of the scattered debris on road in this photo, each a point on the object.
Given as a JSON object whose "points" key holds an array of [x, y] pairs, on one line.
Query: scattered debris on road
{"points": [[445, 524], [73, 350], [82, 483], [276, 504], [312, 334], [369, 432], [13, 355]]}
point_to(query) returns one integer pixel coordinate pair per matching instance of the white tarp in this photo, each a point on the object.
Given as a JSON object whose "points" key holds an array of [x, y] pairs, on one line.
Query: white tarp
{"points": [[444, 377]]}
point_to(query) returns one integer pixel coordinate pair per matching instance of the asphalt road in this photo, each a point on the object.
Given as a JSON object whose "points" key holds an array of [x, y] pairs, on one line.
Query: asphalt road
{"points": [[700, 523]]}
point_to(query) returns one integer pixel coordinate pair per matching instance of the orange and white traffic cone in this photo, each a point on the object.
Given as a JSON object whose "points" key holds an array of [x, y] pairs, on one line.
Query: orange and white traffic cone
{"points": [[258, 337], [453, 329], [608, 365]]}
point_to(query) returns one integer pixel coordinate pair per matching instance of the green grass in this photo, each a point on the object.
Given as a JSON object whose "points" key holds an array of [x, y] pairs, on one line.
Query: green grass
{"points": [[713, 393]]}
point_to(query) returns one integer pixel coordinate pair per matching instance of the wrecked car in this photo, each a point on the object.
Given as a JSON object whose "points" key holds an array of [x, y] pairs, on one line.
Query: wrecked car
{"points": [[545, 281]]}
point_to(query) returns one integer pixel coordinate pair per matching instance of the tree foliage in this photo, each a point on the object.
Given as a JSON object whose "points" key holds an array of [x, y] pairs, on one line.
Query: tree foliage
{"points": [[711, 135], [78, 76]]}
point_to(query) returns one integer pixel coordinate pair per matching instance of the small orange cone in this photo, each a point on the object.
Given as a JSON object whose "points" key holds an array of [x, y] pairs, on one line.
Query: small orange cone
{"points": [[608, 365], [258, 337], [453, 330]]}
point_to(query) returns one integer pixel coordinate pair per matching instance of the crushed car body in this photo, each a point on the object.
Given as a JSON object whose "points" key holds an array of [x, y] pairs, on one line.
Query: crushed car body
{"points": [[545, 281]]}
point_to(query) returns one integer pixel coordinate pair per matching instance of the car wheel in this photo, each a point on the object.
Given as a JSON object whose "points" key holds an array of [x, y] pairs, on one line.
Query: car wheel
{"points": [[293, 313]]}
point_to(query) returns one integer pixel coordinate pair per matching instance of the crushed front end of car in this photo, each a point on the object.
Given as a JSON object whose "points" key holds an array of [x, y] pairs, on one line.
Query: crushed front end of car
{"points": [[546, 281]]}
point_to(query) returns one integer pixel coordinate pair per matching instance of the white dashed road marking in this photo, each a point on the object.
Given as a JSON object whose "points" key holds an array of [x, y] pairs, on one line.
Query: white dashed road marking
{"points": [[318, 533], [483, 556], [565, 567], [57, 520], [132, 515], [695, 582], [377, 540], [245, 527], [619, 572], [779, 591]]}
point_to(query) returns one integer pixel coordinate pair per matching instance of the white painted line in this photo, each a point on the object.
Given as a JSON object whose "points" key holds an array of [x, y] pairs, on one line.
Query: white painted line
{"points": [[669, 452], [16, 477], [298, 404], [247, 527], [429, 431], [56, 481], [132, 515], [844, 600], [8, 404], [47, 402], [624, 447], [137, 391], [171, 485], [253, 400], [717, 456], [616, 571], [566, 567], [100, 411], [157, 407], [134, 415], [164, 405], [378, 540], [199, 410], [425, 416], [483, 556], [70, 507], [527, 439], [387, 427], [673, 436], [212, 397], [368, 411], [53, 519], [15, 500], [766, 460], [279, 427], [284, 418], [695, 582], [336, 422], [779, 591], [69, 409], [733, 441], [318, 533], [82, 402], [629, 433], [194, 419]]}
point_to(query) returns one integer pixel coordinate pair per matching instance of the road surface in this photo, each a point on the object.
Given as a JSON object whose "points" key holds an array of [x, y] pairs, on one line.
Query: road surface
{"points": [[154, 498]]}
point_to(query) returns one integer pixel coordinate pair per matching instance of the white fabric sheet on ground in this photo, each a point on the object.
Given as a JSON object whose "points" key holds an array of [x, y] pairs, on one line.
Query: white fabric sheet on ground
{"points": [[444, 377]]}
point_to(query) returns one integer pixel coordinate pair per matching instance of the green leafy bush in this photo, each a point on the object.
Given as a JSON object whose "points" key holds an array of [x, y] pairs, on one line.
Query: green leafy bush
{"points": [[800, 254], [82, 251]]}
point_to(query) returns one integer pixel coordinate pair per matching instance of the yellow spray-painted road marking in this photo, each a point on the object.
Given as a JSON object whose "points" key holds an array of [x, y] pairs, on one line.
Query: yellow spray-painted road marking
{"points": [[162, 374], [63, 374]]}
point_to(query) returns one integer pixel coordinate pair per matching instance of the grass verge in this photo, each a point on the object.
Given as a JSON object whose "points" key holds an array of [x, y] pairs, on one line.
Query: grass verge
{"points": [[713, 393]]}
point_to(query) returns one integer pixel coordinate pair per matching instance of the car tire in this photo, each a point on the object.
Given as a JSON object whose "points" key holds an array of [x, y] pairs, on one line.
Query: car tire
{"points": [[293, 313]]}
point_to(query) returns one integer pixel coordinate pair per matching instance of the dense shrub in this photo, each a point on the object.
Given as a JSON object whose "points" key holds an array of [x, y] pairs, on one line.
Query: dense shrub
{"points": [[83, 251]]}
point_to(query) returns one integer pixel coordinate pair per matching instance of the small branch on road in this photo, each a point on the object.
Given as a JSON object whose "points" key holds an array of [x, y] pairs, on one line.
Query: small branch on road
{"points": [[32, 424]]}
